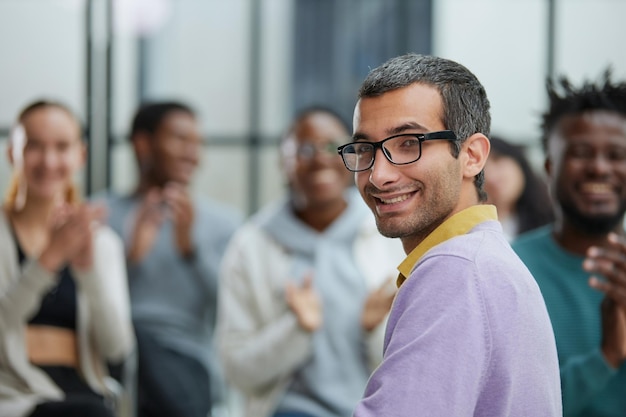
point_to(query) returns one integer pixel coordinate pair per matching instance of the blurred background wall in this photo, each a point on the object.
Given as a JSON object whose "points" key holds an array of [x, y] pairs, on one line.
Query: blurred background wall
{"points": [[247, 66]]}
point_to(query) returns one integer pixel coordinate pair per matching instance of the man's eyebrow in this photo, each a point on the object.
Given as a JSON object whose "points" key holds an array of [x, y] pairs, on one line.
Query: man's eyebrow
{"points": [[404, 127], [396, 130], [359, 136]]}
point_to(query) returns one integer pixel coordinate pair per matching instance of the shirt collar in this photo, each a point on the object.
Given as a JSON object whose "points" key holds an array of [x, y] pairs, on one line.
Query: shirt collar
{"points": [[459, 224]]}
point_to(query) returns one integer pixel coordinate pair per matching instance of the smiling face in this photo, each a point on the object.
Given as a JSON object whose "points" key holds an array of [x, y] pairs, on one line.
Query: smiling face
{"points": [[313, 168], [175, 148], [410, 201], [587, 167], [53, 152]]}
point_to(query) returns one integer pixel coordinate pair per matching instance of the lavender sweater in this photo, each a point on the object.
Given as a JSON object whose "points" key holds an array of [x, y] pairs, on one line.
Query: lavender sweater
{"points": [[468, 335]]}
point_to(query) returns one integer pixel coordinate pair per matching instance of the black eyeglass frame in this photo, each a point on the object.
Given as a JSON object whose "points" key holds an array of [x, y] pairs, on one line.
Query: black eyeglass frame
{"points": [[421, 137]]}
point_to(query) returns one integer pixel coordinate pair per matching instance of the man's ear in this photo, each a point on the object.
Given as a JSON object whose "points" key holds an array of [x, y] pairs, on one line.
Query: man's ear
{"points": [[477, 149], [141, 145], [287, 156]]}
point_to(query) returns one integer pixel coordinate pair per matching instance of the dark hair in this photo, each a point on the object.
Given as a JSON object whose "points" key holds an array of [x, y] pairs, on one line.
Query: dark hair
{"points": [[150, 115], [533, 207], [565, 99], [464, 100], [313, 109]]}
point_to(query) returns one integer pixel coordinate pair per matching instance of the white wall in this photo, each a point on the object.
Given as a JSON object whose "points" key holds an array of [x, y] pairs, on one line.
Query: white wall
{"points": [[504, 44], [201, 54], [41, 54], [590, 36]]}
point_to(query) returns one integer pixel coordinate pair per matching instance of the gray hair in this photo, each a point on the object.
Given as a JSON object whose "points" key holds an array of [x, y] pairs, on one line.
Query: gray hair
{"points": [[464, 100]]}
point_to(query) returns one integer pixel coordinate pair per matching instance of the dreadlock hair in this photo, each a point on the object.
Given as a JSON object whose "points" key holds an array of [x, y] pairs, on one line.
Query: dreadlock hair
{"points": [[565, 99]]}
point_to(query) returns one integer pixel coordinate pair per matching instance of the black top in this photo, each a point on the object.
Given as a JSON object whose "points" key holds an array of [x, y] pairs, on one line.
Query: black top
{"points": [[58, 307]]}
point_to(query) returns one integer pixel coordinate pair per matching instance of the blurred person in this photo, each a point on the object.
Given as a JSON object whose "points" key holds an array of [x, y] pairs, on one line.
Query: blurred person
{"points": [[468, 333], [579, 261], [174, 245], [64, 308], [306, 285], [520, 196]]}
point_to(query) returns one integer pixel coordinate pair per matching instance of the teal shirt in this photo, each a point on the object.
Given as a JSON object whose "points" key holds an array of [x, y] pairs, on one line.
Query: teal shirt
{"points": [[591, 388]]}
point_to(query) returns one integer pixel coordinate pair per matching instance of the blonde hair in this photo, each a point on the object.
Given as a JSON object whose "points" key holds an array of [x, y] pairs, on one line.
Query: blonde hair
{"points": [[72, 194]]}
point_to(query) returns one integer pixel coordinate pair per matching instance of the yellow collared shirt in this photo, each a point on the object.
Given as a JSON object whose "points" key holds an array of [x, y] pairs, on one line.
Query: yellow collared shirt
{"points": [[459, 224]]}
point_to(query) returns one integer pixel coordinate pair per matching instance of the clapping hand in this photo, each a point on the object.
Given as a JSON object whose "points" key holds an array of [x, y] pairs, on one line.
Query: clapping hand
{"points": [[148, 220], [172, 202], [71, 236], [180, 206], [611, 263], [305, 303], [378, 304]]}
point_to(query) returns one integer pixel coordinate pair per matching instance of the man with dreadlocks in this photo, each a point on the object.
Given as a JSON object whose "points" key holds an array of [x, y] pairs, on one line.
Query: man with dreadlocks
{"points": [[580, 260]]}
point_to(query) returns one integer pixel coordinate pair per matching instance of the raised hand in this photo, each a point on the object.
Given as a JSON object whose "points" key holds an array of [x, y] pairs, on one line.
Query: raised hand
{"points": [[378, 304], [148, 220], [613, 332], [70, 236], [305, 304], [181, 210], [83, 259], [611, 263]]}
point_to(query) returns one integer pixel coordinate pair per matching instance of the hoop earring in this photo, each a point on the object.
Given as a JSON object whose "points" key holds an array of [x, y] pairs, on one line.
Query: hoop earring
{"points": [[15, 196], [72, 194]]}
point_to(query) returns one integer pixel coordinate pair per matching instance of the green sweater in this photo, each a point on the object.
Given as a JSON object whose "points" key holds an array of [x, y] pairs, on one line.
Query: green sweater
{"points": [[590, 386]]}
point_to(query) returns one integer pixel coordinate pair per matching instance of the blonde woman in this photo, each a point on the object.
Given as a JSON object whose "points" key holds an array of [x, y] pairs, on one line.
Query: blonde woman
{"points": [[64, 310]]}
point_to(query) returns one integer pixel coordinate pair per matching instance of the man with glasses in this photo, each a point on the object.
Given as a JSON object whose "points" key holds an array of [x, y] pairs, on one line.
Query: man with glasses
{"points": [[306, 285], [468, 333]]}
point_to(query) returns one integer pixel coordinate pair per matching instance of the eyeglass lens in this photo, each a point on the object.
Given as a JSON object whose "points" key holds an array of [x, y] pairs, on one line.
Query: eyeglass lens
{"points": [[307, 150], [398, 150]]}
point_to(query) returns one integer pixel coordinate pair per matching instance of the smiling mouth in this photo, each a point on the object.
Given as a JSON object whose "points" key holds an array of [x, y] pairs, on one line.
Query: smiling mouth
{"points": [[596, 188], [394, 200]]}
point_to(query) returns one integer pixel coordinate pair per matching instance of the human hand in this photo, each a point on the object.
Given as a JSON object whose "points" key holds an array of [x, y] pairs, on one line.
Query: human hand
{"points": [[611, 263], [305, 304], [83, 259], [148, 220], [182, 213], [613, 332], [378, 304], [70, 236]]}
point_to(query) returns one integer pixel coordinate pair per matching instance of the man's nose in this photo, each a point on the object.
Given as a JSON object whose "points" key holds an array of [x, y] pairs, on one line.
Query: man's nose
{"points": [[382, 171], [599, 164]]}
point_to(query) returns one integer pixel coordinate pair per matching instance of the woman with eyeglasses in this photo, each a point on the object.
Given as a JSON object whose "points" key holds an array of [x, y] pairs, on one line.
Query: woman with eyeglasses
{"points": [[306, 285], [64, 310]]}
